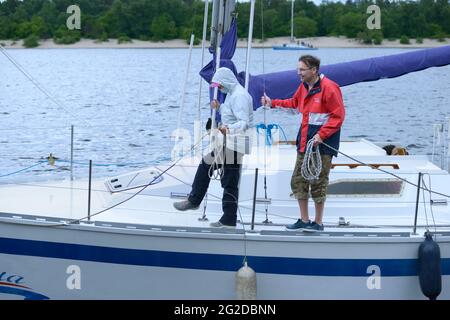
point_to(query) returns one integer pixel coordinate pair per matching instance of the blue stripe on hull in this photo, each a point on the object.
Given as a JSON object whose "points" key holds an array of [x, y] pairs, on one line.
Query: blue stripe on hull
{"points": [[216, 262]]}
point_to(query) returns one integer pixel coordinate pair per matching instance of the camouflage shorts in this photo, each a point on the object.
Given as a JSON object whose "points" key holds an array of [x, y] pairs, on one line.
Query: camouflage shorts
{"points": [[301, 187]]}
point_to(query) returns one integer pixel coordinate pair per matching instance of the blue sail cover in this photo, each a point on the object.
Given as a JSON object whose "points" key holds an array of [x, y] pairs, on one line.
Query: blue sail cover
{"points": [[227, 49], [282, 85]]}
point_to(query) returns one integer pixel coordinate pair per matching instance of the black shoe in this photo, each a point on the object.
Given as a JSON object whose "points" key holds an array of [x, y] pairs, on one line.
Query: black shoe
{"points": [[185, 205], [299, 225], [314, 227], [219, 224]]}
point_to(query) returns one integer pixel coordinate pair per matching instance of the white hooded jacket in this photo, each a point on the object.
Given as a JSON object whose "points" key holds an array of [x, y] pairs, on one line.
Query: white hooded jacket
{"points": [[236, 111]]}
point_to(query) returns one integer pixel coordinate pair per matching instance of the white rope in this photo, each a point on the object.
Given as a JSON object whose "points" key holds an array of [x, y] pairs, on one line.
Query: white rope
{"points": [[312, 163], [217, 148]]}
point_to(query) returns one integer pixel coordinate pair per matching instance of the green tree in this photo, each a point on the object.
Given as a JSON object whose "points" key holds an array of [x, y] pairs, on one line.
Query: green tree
{"points": [[435, 30], [116, 20], [328, 19], [39, 28], [49, 14], [404, 40], [65, 36], [351, 23], [5, 27], [167, 19], [163, 28], [23, 30], [305, 27], [31, 41], [92, 28]]}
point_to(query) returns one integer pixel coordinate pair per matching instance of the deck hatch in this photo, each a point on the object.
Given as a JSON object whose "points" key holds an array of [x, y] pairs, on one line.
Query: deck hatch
{"points": [[366, 187]]}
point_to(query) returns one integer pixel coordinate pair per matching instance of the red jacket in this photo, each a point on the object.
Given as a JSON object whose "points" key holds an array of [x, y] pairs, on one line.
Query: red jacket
{"points": [[323, 113]]}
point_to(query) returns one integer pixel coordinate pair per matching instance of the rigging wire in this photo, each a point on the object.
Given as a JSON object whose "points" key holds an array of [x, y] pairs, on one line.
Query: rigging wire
{"points": [[424, 203], [24, 169], [199, 119], [133, 195], [264, 112], [39, 86]]}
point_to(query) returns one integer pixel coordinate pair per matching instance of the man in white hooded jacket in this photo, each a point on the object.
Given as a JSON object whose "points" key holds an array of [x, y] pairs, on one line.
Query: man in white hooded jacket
{"points": [[237, 119]]}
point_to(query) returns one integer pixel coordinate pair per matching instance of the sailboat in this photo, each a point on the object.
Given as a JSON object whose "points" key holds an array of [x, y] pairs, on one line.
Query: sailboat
{"points": [[293, 45], [121, 238]]}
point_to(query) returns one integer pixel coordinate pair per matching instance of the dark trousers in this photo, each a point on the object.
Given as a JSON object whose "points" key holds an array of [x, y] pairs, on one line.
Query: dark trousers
{"points": [[229, 181]]}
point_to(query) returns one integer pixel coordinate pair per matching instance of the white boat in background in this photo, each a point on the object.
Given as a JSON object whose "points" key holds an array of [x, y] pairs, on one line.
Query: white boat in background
{"points": [[293, 44], [121, 238]]}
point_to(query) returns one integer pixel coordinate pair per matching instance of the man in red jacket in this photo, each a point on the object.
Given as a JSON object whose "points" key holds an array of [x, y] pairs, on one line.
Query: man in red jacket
{"points": [[320, 101]]}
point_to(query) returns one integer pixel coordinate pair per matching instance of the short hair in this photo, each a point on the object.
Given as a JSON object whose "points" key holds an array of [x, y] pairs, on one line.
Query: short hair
{"points": [[310, 61]]}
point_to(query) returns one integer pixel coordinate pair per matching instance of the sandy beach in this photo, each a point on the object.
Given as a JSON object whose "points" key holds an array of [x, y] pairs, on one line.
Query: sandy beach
{"points": [[318, 42]]}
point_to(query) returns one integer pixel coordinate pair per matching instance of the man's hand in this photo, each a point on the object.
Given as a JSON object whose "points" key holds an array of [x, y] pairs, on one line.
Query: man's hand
{"points": [[266, 101], [317, 140], [215, 104], [224, 130]]}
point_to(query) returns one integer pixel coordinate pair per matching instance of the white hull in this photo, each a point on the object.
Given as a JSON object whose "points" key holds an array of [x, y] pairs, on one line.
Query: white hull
{"points": [[118, 263], [145, 249]]}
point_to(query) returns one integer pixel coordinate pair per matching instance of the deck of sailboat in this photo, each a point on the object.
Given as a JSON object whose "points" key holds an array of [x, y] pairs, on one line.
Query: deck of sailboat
{"points": [[68, 200]]}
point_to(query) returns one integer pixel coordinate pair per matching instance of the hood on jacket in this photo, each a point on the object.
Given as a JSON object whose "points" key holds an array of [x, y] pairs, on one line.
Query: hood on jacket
{"points": [[226, 78]]}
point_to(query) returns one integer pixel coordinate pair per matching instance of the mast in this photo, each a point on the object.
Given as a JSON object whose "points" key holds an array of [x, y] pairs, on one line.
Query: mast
{"points": [[222, 14], [292, 21], [197, 123], [249, 42]]}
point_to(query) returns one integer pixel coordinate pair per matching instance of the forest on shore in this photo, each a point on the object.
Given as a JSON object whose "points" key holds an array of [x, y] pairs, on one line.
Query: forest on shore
{"points": [[159, 20]]}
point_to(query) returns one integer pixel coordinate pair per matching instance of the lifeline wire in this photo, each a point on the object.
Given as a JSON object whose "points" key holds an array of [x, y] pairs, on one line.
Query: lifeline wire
{"points": [[135, 194], [431, 207], [387, 172], [21, 170], [280, 215]]}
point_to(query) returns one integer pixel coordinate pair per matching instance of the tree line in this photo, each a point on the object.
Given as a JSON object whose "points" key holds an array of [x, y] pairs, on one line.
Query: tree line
{"points": [[159, 20]]}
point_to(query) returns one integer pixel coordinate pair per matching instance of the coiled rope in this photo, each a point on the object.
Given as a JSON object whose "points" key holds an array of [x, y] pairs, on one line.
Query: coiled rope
{"points": [[312, 162], [218, 145]]}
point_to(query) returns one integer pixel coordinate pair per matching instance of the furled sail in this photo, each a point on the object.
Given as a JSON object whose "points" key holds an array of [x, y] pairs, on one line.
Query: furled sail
{"points": [[282, 85]]}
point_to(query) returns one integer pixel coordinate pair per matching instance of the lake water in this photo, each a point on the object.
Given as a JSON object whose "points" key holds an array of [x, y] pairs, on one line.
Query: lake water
{"points": [[124, 106]]}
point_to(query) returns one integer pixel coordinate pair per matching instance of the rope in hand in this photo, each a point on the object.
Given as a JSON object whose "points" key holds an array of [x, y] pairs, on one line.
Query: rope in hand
{"points": [[218, 144], [312, 162]]}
